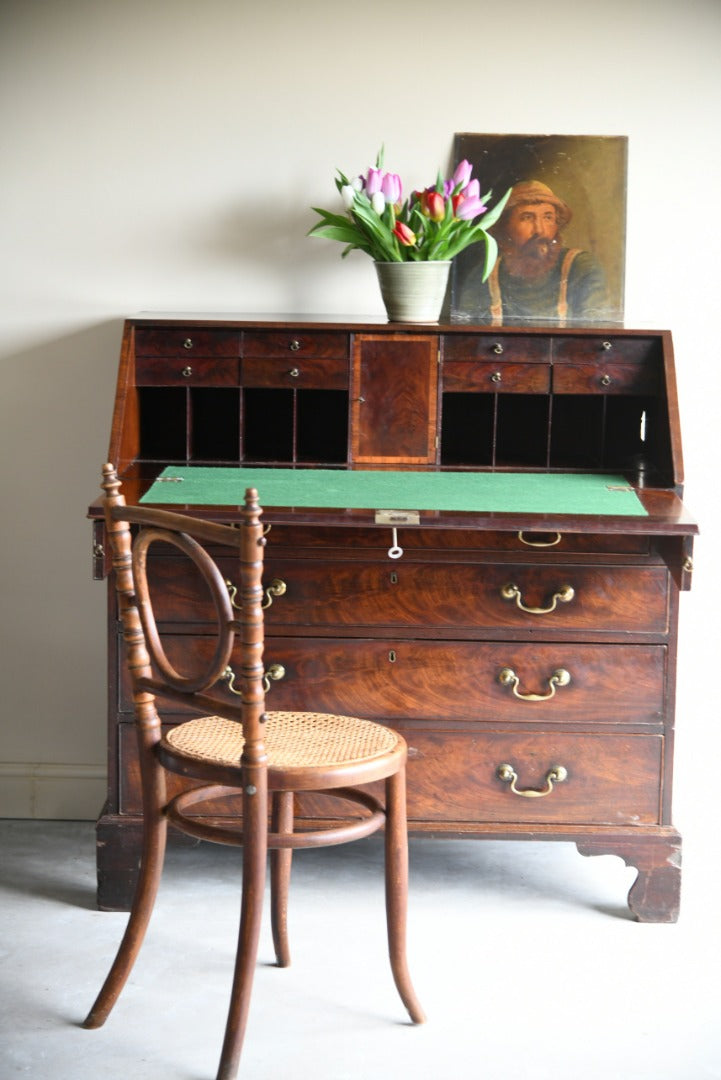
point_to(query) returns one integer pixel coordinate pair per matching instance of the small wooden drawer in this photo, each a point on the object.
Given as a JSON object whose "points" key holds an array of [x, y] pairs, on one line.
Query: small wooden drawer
{"points": [[605, 377], [186, 371], [516, 349], [497, 378], [296, 343], [600, 349], [610, 779], [187, 342], [305, 372]]}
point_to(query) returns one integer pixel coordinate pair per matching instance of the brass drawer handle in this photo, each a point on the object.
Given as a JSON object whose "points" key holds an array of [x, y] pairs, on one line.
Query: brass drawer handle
{"points": [[606, 380], [294, 345], [540, 543], [498, 348], [277, 587], [294, 372], [187, 371], [274, 673], [564, 595], [560, 677], [496, 377], [188, 343], [555, 775]]}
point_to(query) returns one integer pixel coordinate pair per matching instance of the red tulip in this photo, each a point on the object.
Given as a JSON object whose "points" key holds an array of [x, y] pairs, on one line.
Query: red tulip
{"points": [[433, 204], [406, 236]]}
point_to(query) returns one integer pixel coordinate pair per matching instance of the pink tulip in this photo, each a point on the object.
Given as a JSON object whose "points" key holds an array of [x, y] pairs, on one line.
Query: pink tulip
{"points": [[374, 181], [391, 187], [462, 173], [472, 190], [467, 209]]}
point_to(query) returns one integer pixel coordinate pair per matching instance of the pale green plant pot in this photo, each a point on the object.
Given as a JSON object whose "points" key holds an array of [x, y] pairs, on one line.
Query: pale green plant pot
{"points": [[413, 291]]}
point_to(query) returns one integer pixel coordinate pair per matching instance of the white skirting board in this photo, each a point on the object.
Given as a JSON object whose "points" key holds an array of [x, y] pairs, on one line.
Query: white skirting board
{"points": [[52, 792]]}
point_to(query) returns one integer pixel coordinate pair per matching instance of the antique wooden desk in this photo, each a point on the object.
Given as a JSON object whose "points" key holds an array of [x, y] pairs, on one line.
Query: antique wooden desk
{"points": [[524, 641]]}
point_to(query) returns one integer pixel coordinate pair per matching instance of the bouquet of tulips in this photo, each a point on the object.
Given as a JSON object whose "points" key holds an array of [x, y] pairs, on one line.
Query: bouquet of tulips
{"points": [[430, 225]]}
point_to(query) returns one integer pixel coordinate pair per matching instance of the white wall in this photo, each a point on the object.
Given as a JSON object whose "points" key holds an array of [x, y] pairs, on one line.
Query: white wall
{"points": [[163, 156]]}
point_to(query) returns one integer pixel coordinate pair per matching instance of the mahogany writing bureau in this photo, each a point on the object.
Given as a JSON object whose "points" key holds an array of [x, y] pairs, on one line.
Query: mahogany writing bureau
{"points": [[476, 536]]}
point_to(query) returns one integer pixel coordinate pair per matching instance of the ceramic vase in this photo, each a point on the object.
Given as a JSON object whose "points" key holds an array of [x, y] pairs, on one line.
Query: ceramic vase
{"points": [[413, 291]]}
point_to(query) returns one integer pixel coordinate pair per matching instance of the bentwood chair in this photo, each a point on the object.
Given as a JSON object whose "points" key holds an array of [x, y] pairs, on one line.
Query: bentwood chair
{"points": [[237, 748]]}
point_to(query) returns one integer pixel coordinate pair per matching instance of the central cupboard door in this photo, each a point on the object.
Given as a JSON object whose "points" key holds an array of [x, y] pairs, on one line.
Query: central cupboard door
{"points": [[394, 399]]}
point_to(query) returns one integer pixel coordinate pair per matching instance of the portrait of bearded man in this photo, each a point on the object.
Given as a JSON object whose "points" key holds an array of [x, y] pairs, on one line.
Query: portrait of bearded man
{"points": [[536, 279]]}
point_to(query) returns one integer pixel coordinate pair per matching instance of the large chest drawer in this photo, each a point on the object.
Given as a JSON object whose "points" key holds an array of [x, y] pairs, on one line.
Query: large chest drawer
{"points": [[459, 681], [486, 681], [470, 597], [454, 778], [609, 779]]}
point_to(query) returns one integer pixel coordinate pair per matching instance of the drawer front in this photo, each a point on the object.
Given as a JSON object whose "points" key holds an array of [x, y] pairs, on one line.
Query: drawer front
{"points": [[459, 596], [453, 777], [466, 681], [502, 378], [495, 347], [605, 378], [464, 596], [542, 546], [306, 372], [602, 349], [185, 371], [611, 779], [296, 343], [452, 680], [186, 342]]}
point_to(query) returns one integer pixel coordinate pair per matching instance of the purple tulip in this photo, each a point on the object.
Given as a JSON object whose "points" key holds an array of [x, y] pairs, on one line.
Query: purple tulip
{"points": [[472, 190], [374, 181], [467, 209], [462, 174], [391, 187]]}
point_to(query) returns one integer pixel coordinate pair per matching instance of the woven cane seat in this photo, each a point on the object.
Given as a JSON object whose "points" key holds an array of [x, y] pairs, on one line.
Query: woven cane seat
{"points": [[292, 740]]}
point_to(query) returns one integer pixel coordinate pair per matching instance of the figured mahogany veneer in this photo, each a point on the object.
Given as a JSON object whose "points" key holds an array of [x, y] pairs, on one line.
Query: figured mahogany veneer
{"points": [[528, 659]]}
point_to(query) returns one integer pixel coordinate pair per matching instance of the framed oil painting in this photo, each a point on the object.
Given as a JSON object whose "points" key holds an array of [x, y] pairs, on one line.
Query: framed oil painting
{"points": [[561, 237]]}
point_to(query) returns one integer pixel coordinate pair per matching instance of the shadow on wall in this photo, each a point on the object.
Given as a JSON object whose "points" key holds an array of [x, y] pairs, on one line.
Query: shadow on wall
{"points": [[55, 412]]}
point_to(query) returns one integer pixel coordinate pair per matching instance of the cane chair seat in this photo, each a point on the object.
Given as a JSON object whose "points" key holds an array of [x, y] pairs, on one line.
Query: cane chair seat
{"points": [[293, 740]]}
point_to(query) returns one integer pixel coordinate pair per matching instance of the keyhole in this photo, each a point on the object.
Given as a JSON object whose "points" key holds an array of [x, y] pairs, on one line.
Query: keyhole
{"points": [[394, 578], [392, 656]]}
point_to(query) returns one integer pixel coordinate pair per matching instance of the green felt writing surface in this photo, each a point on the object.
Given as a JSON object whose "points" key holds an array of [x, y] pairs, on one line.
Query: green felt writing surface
{"points": [[513, 493]]}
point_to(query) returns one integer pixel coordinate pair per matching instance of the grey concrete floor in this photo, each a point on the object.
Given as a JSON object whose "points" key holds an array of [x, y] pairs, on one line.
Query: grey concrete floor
{"points": [[524, 956]]}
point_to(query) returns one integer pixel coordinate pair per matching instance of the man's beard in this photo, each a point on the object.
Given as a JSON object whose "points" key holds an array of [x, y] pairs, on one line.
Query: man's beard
{"points": [[537, 256]]}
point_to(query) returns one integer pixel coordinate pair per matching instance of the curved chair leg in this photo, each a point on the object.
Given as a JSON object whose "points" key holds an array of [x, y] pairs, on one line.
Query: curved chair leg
{"points": [[255, 850], [280, 864], [155, 831], [396, 851]]}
